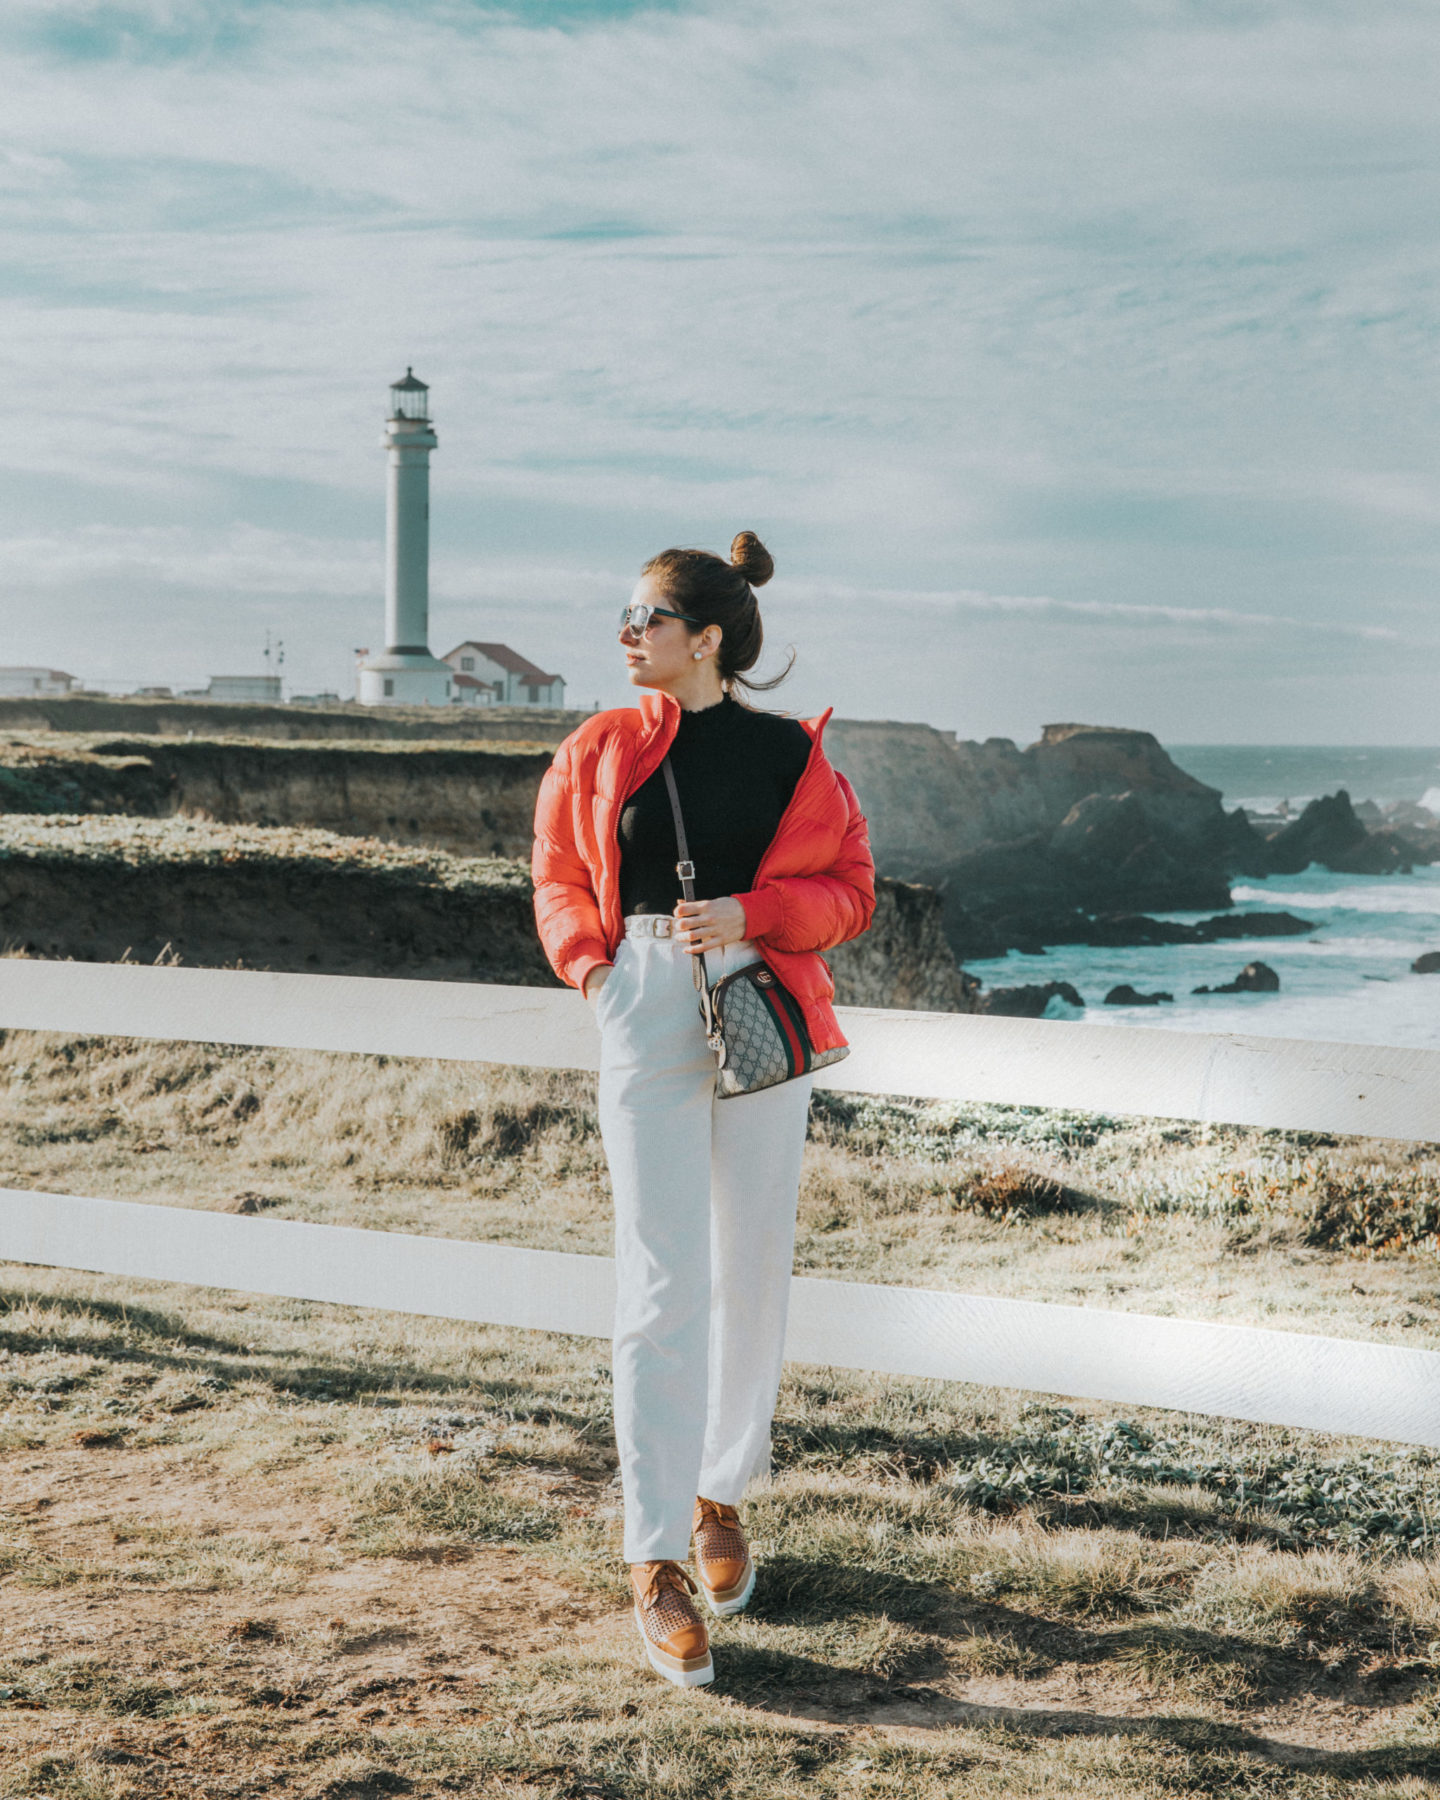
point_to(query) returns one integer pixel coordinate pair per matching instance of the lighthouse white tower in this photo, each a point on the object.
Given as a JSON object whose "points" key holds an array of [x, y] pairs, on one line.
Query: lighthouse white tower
{"points": [[407, 674]]}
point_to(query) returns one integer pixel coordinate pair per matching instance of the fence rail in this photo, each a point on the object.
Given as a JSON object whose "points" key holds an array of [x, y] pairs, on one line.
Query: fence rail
{"points": [[1284, 1083], [1278, 1377]]}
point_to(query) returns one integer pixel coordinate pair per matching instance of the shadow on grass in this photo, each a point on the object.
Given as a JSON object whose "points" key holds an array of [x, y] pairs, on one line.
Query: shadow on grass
{"points": [[153, 1338], [1230, 1670], [167, 1327], [840, 1442], [1162, 1516], [1068, 1475], [786, 1685], [793, 1591]]}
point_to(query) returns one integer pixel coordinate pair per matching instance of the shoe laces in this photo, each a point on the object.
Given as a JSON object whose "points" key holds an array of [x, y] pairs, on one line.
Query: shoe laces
{"points": [[663, 1581], [718, 1537]]}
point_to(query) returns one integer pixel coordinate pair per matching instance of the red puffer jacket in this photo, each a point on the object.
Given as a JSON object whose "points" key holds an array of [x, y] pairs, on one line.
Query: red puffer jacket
{"points": [[815, 886]]}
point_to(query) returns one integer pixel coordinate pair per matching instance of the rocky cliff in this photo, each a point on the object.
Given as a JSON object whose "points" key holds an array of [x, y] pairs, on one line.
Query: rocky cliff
{"points": [[1085, 818], [1331, 832], [904, 959], [1028, 847], [1088, 819], [102, 889], [105, 889], [923, 787], [474, 800]]}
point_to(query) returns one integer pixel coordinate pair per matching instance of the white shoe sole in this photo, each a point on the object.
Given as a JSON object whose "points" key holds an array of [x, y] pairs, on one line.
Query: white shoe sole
{"points": [[697, 1672], [724, 1609]]}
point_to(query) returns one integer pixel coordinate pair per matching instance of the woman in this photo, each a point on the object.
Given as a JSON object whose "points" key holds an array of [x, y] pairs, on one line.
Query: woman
{"points": [[705, 1191]]}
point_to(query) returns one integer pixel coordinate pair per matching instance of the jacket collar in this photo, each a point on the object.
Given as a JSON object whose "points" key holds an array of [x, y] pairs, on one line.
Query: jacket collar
{"points": [[816, 726], [660, 720], [660, 713]]}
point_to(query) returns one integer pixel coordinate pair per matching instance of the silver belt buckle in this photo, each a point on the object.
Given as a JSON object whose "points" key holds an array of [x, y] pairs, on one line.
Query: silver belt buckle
{"points": [[650, 925]]}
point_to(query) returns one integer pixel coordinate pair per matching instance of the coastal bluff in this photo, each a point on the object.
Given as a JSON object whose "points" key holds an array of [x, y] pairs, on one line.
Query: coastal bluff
{"points": [[304, 900], [1075, 838], [938, 807], [1078, 836], [1088, 819], [924, 788]]}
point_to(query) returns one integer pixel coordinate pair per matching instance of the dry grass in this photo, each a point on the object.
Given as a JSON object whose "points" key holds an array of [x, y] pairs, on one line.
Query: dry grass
{"points": [[119, 839], [1199, 1221], [254, 1546]]}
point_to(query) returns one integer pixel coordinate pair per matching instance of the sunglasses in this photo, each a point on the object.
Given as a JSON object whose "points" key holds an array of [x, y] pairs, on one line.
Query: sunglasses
{"points": [[638, 616]]}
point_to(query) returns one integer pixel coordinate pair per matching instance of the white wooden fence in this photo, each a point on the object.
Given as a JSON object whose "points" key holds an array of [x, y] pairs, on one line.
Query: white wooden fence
{"points": [[1280, 1377]]}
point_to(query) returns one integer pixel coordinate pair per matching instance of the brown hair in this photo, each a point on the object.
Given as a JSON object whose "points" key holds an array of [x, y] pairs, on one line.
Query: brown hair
{"points": [[712, 592]]}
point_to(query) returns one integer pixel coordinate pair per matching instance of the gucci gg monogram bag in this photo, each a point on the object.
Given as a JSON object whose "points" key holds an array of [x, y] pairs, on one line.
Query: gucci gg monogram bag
{"points": [[755, 1027]]}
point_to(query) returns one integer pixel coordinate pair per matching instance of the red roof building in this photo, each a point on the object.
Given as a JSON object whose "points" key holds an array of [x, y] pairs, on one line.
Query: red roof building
{"points": [[496, 675]]}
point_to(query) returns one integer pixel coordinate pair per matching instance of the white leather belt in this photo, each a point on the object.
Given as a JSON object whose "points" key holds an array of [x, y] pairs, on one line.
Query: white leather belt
{"points": [[650, 925]]}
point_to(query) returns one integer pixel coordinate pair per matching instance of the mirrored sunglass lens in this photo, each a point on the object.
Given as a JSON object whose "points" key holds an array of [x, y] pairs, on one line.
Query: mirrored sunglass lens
{"points": [[636, 617]]}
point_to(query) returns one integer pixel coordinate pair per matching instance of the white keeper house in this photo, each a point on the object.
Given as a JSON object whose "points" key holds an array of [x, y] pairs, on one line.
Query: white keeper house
{"points": [[496, 675]]}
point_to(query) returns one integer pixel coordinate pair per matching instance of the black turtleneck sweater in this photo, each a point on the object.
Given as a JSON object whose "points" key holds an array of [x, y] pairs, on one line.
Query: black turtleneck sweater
{"points": [[736, 770]]}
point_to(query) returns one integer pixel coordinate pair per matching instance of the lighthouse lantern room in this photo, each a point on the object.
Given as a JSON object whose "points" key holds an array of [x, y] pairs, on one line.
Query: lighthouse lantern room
{"points": [[407, 674], [410, 398]]}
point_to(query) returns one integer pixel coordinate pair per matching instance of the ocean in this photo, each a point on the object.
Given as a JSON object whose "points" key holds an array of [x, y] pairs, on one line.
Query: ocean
{"points": [[1260, 776], [1348, 981]]}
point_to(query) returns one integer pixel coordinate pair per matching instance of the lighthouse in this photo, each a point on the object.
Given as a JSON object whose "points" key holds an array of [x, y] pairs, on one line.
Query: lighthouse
{"points": [[407, 674]]}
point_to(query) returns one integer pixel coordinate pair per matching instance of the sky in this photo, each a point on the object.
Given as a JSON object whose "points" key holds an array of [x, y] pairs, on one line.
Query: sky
{"points": [[1074, 362]]}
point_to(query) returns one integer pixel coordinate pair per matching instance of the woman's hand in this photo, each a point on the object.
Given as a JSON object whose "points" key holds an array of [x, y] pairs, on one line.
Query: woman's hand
{"points": [[710, 924], [596, 978]]}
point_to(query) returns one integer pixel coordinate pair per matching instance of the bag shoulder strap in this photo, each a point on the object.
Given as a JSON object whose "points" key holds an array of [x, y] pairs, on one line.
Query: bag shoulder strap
{"points": [[685, 869]]}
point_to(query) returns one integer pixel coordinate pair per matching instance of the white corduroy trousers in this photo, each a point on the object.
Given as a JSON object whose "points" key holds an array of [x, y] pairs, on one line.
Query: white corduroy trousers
{"points": [[705, 1195]]}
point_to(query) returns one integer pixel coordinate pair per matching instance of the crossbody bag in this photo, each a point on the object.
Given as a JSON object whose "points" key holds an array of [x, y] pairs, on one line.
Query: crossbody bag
{"points": [[752, 1023]]}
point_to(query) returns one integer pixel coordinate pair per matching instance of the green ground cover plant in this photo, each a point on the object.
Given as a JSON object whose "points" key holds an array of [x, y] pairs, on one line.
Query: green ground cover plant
{"points": [[1390, 1499]]}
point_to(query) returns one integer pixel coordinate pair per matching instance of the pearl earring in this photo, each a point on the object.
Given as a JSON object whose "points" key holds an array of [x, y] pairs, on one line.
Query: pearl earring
{"points": [[699, 655]]}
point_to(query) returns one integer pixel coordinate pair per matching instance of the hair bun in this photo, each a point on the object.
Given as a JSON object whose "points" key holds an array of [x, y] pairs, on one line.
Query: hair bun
{"points": [[752, 559]]}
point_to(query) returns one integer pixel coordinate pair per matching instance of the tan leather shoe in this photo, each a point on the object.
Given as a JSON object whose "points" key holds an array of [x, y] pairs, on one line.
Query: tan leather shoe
{"points": [[674, 1634], [722, 1558]]}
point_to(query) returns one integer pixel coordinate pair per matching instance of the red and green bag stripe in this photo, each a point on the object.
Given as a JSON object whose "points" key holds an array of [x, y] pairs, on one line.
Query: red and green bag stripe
{"points": [[790, 1021]]}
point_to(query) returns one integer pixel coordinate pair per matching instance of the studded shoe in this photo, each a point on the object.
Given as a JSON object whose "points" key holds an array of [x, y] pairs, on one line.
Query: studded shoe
{"points": [[722, 1558], [674, 1634]]}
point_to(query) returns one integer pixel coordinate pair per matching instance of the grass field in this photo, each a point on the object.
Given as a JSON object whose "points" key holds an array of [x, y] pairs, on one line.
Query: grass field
{"points": [[254, 1546]]}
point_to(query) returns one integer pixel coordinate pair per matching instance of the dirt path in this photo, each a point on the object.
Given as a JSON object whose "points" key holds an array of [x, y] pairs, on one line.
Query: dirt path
{"points": [[157, 1585]]}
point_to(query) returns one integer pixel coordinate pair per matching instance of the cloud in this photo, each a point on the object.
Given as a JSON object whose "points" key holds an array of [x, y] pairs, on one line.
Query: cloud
{"points": [[1128, 307], [244, 560], [247, 560], [1196, 620]]}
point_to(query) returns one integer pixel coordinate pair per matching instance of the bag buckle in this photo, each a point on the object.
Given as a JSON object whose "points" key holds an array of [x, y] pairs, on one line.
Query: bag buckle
{"points": [[685, 870]]}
